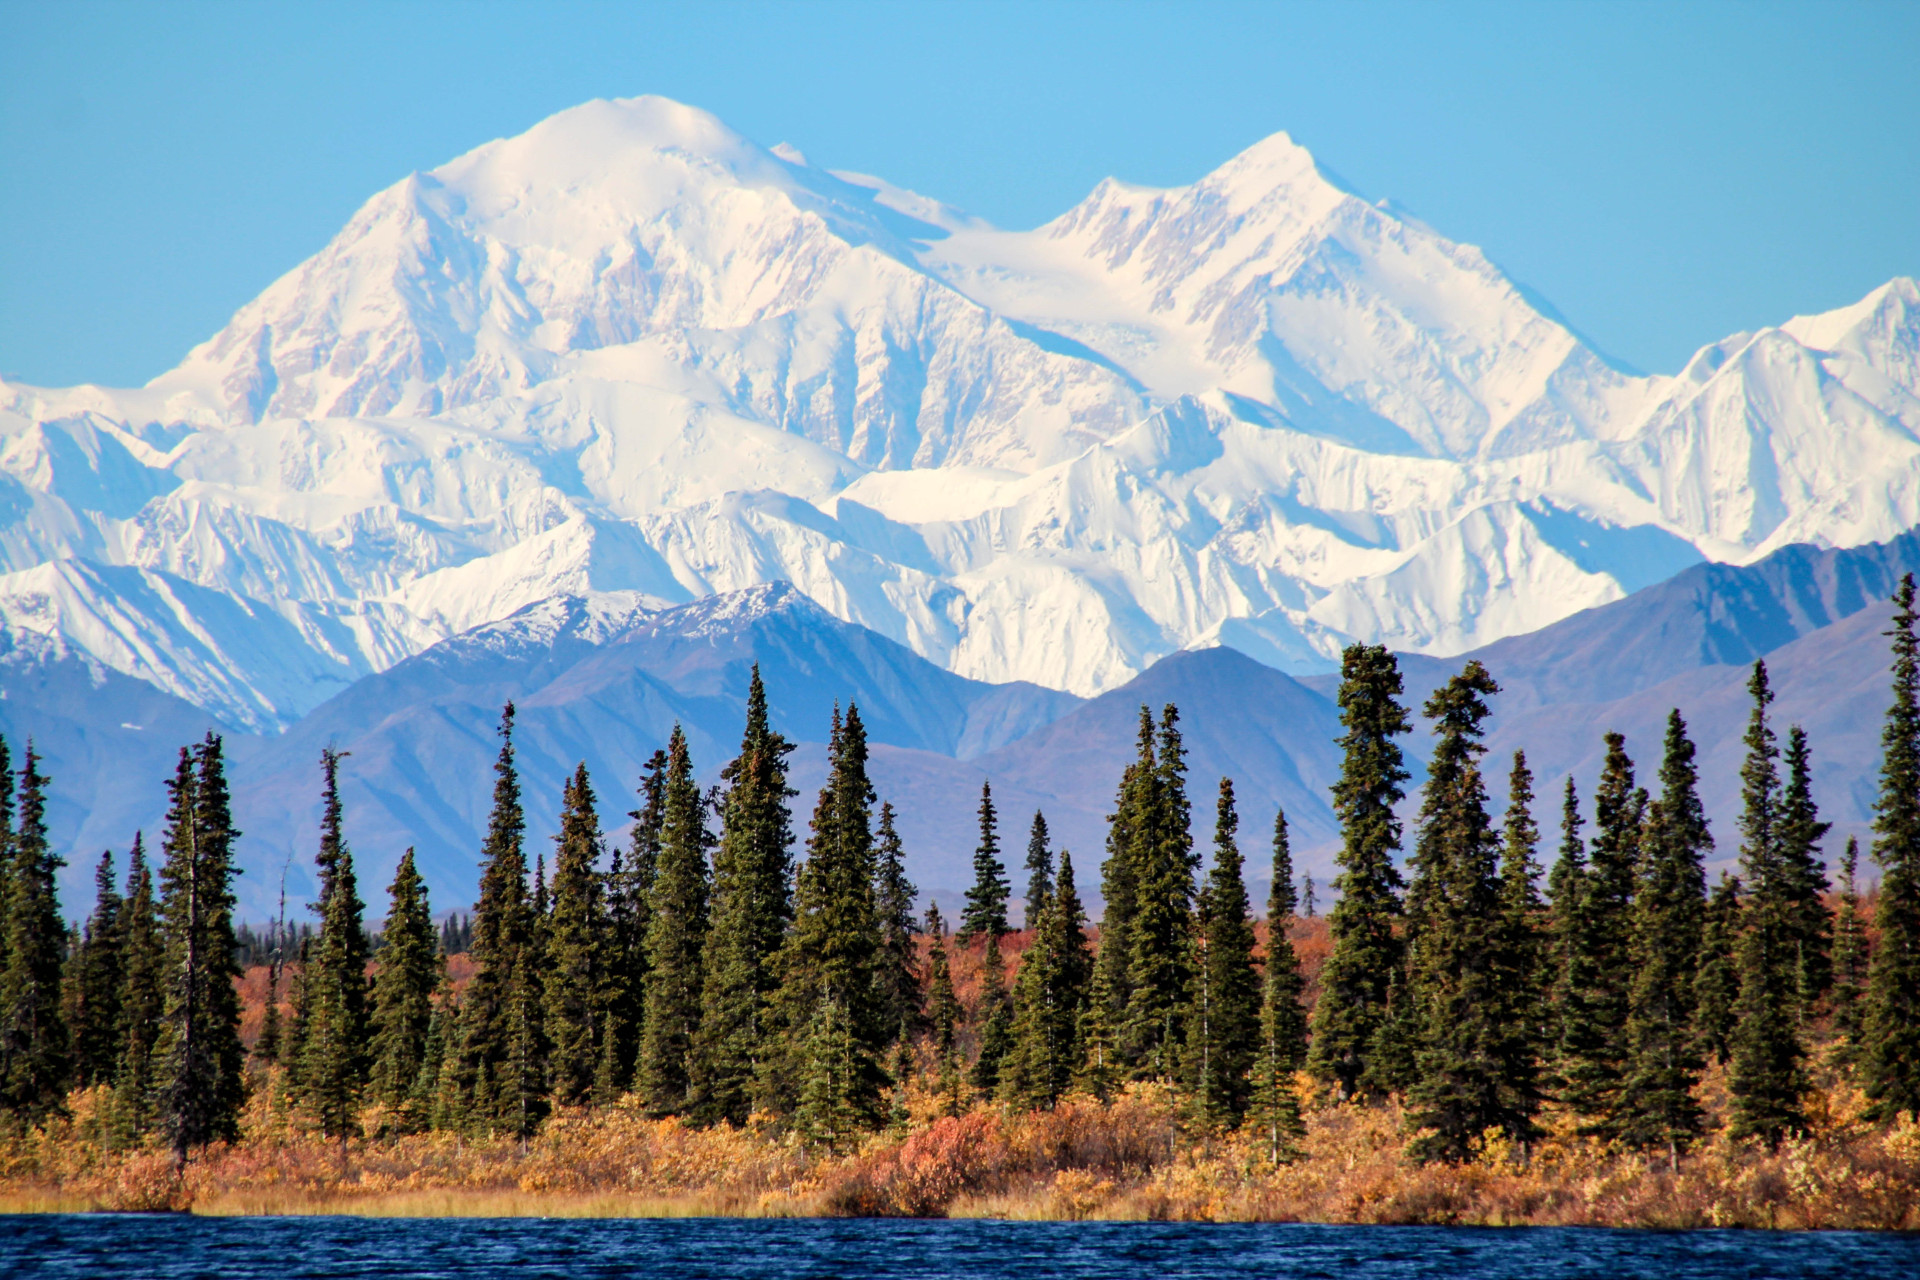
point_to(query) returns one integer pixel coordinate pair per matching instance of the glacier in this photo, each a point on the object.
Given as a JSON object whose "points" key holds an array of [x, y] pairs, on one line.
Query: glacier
{"points": [[631, 353]]}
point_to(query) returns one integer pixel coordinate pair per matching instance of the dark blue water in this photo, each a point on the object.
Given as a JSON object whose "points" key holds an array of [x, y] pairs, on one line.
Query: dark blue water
{"points": [[175, 1248]]}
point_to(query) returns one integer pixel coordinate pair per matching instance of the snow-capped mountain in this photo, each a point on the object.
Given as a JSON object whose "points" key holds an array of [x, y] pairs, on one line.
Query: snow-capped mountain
{"points": [[631, 351]]}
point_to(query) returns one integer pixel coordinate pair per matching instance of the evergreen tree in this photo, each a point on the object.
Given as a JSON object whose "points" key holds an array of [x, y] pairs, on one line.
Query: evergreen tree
{"points": [[1803, 873], [1768, 1076], [943, 1010], [6, 834], [1306, 896], [1890, 1035], [576, 983], [1849, 959], [1473, 1060], [1525, 920], [836, 1020], [1051, 995], [93, 986], [1100, 1062], [334, 1062], [1657, 1107], [897, 972], [1224, 1026], [1366, 952], [143, 956], [1568, 964], [986, 911], [629, 895], [1716, 985], [198, 1057], [1160, 971], [403, 1017], [34, 1049], [267, 1047], [752, 908], [490, 1075], [1039, 870], [676, 935], [1282, 1046], [1133, 810], [1598, 978], [993, 1015]]}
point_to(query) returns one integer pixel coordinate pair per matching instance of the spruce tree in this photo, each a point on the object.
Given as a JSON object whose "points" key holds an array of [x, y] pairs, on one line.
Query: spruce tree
{"points": [[1849, 959], [1366, 951], [198, 1057], [143, 955], [1053, 989], [1595, 995], [1716, 985], [1224, 1025], [403, 1017], [576, 982], [34, 1048], [93, 985], [1282, 1048], [1160, 970], [836, 1022], [1133, 809], [986, 911], [334, 1062], [1039, 870], [1890, 1035], [752, 908], [993, 1017], [897, 971], [943, 1010], [1656, 1108], [490, 1095], [1803, 873], [676, 935], [1525, 921], [629, 893], [1768, 1075], [1473, 1061], [1568, 964]]}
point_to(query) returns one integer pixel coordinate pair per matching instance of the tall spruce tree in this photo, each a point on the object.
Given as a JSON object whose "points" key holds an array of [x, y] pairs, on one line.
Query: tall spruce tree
{"points": [[1768, 1075], [836, 1021], [1039, 870], [897, 970], [629, 895], [1657, 1107], [335, 1058], [1716, 985], [402, 1016], [576, 981], [95, 975], [1161, 970], [1803, 872], [1890, 1035], [1282, 1047], [1599, 971], [752, 908], [1525, 921], [1134, 807], [992, 1019], [986, 910], [1849, 959], [943, 1010], [1366, 950], [34, 1048], [1050, 997], [1566, 960], [198, 1057], [1473, 1060], [676, 936], [492, 1089], [1224, 1025], [142, 998]]}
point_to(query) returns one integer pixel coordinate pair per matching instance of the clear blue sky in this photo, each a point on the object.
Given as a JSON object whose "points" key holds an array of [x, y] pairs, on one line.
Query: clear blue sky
{"points": [[1665, 174]]}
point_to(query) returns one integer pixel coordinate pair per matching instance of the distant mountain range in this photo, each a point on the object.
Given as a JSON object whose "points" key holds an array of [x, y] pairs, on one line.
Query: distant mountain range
{"points": [[532, 415]]}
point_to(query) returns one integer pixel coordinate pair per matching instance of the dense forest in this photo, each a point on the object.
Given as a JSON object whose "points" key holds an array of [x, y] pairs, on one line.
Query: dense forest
{"points": [[716, 967]]}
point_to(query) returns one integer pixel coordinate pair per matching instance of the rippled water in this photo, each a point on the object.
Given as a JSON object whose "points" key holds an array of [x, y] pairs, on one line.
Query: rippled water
{"points": [[166, 1248]]}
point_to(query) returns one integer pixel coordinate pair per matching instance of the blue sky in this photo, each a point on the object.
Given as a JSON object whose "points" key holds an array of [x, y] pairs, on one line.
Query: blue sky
{"points": [[1665, 174]]}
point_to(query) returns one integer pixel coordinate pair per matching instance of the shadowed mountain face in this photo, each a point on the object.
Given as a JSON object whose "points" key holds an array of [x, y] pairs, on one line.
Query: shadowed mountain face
{"points": [[604, 678]]}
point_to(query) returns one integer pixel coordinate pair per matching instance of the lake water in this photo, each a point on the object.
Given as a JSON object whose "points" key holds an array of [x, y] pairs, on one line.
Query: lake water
{"points": [[169, 1247]]}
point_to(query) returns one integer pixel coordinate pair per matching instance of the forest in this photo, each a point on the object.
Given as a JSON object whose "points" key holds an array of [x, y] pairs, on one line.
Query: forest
{"points": [[716, 1013]]}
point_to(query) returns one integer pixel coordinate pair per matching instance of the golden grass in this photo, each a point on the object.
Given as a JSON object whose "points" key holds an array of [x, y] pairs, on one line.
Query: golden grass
{"points": [[1129, 1158]]}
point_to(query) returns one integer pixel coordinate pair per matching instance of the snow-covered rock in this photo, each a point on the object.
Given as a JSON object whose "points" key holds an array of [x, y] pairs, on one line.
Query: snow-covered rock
{"points": [[631, 351]]}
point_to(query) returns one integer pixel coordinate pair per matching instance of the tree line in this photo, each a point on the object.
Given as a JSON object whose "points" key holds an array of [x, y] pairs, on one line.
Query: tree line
{"points": [[700, 969]]}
